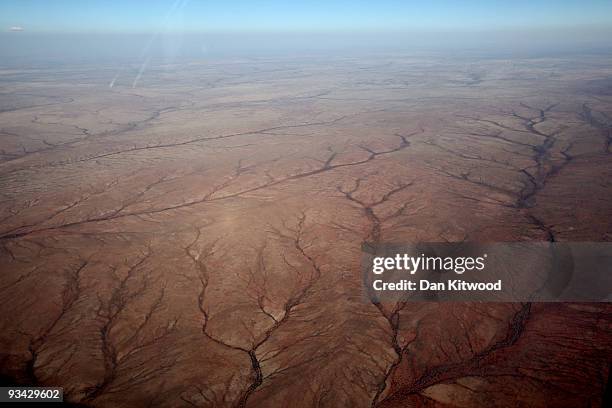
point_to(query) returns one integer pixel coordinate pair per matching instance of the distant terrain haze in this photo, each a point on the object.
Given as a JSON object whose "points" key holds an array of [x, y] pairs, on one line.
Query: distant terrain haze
{"points": [[75, 30]]}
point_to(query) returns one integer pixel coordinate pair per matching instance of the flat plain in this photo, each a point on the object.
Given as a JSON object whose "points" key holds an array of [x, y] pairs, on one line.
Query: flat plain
{"points": [[191, 235]]}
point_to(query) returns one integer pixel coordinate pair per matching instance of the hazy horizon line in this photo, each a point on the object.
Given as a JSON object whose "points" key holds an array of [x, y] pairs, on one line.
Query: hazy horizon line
{"points": [[23, 30]]}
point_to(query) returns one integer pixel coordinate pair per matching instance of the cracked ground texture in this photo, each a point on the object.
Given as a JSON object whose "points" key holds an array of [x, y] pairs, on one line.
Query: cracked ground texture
{"points": [[195, 240]]}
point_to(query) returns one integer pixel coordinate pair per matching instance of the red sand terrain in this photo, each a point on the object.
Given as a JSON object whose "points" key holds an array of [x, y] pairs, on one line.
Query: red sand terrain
{"points": [[195, 239]]}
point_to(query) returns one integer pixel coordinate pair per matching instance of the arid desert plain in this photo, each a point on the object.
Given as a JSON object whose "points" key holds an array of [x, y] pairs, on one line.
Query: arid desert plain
{"points": [[189, 234]]}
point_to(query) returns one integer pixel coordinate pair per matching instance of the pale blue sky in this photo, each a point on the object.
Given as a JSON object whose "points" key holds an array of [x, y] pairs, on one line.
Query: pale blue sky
{"points": [[316, 15]]}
